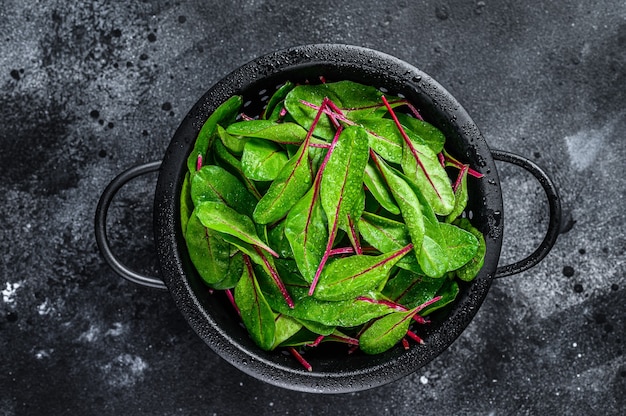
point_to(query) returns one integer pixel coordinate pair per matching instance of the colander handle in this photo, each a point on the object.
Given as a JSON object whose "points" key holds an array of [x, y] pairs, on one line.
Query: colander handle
{"points": [[554, 204], [101, 229]]}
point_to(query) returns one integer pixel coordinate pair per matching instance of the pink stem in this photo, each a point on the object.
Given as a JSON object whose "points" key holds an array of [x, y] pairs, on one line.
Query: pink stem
{"points": [[355, 237], [405, 343], [231, 298], [317, 341], [199, 162], [275, 277], [389, 303], [300, 358], [414, 337], [340, 251], [459, 178]]}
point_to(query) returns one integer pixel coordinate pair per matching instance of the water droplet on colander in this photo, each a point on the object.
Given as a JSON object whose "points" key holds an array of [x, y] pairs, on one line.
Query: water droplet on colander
{"points": [[417, 78]]}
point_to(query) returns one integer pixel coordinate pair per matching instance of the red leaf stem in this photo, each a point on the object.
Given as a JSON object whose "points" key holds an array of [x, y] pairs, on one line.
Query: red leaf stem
{"points": [[460, 176], [231, 298], [340, 251], [391, 304], [199, 162], [409, 144], [275, 277], [317, 341], [414, 337], [300, 358], [405, 343]]}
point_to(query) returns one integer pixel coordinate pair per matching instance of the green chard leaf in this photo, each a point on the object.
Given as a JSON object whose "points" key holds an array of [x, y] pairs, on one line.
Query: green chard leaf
{"points": [[262, 160], [186, 203], [214, 183], [469, 271], [292, 182], [461, 246], [233, 143], [285, 328], [429, 134], [233, 165], [422, 166], [224, 114], [378, 188], [282, 133], [387, 235], [385, 332], [460, 195], [354, 100], [276, 100], [256, 313], [412, 289], [220, 217], [348, 277], [307, 232], [212, 257], [342, 179]]}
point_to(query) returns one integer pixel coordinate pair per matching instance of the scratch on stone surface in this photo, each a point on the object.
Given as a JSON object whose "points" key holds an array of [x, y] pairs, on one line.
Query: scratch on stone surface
{"points": [[584, 146]]}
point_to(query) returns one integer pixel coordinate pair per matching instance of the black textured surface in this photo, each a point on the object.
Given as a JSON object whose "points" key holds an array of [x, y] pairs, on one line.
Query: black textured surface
{"points": [[91, 88]]}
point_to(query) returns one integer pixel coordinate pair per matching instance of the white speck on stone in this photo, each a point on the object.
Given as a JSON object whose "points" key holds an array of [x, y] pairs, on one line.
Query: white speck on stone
{"points": [[41, 354], [90, 335], [574, 344], [117, 330], [584, 146], [44, 308], [125, 370], [424, 380], [8, 294]]}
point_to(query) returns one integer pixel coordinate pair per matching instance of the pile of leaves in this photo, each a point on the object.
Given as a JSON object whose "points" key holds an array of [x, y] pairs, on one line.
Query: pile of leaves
{"points": [[336, 215]]}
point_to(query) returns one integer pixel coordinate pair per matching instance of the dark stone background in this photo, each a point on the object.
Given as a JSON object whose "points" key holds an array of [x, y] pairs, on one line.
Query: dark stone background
{"points": [[90, 88]]}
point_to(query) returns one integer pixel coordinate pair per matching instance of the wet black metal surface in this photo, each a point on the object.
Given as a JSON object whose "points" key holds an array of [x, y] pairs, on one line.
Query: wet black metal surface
{"points": [[92, 88]]}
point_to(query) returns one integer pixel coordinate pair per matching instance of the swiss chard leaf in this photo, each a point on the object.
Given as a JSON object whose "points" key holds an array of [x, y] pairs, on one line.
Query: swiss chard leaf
{"points": [[385, 332], [469, 271], [233, 165], [262, 160], [285, 328], [292, 182], [256, 313], [411, 289], [283, 133], [349, 277], [460, 195], [430, 134], [224, 114], [307, 232], [186, 203], [220, 217], [354, 100], [378, 188], [276, 99], [210, 254], [461, 246], [213, 183]]}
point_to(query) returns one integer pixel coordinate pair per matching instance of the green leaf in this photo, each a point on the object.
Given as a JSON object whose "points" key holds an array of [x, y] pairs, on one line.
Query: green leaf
{"points": [[422, 166], [233, 165], [186, 203], [307, 232], [354, 100], [341, 185], [213, 183], [460, 196], [469, 271], [274, 103], [224, 114], [429, 134], [348, 277], [233, 143], [412, 289], [385, 332], [378, 188], [461, 245], [387, 235], [285, 328], [448, 292], [262, 160], [293, 181], [283, 133], [256, 313], [209, 253], [220, 217]]}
